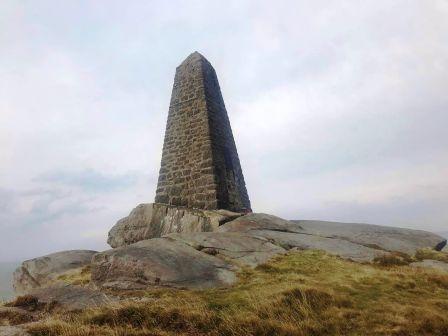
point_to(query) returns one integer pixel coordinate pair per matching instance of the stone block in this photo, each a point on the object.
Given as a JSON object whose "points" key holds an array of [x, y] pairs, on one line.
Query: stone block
{"points": [[155, 220]]}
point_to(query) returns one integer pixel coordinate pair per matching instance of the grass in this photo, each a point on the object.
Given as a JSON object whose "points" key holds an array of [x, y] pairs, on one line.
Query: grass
{"points": [[11, 317], [28, 302], [428, 253], [80, 277], [301, 293], [394, 259]]}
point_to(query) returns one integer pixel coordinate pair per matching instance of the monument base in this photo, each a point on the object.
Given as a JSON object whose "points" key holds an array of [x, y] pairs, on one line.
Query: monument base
{"points": [[154, 220]]}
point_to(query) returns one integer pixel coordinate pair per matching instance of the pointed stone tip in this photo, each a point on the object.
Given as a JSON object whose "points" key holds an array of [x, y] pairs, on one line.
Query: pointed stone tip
{"points": [[194, 56]]}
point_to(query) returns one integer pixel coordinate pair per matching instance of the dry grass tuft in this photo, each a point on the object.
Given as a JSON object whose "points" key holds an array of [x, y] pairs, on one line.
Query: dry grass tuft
{"points": [[440, 280], [80, 277], [11, 317], [393, 259], [431, 254], [301, 293], [311, 298], [28, 302]]}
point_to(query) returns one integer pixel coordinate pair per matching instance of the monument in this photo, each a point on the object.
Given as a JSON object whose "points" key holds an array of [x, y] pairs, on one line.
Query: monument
{"points": [[200, 165]]}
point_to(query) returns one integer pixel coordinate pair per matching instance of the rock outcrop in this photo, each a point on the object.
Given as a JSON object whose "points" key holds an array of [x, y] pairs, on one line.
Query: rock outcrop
{"points": [[154, 220], [201, 249], [160, 262], [358, 242], [13, 331], [47, 270], [342, 248], [260, 221], [381, 237], [194, 259], [288, 235], [434, 264], [70, 297], [240, 249]]}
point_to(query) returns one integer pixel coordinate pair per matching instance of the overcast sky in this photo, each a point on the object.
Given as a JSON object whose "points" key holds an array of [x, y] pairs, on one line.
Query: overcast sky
{"points": [[339, 110]]}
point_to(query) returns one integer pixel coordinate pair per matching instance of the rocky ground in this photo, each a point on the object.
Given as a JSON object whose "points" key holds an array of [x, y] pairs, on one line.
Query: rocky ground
{"points": [[163, 248], [6, 270]]}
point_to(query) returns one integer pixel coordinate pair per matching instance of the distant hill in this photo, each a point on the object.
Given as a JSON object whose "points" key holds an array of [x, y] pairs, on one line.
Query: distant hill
{"points": [[6, 270]]}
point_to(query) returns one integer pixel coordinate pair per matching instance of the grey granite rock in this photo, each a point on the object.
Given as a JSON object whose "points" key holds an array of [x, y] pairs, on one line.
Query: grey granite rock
{"points": [[240, 248], [13, 331], [44, 271], [383, 237], [70, 297], [155, 220], [340, 247], [359, 242], [435, 264], [160, 261], [260, 221]]}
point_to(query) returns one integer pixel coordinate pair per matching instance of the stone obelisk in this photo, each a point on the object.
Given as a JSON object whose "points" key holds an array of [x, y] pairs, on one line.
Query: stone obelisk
{"points": [[200, 165]]}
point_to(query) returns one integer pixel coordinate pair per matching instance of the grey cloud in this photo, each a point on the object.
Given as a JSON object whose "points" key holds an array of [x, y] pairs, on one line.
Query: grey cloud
{"points": [[88, 180], [59, 194], [6, 199], [43, 210], [41, 207]]}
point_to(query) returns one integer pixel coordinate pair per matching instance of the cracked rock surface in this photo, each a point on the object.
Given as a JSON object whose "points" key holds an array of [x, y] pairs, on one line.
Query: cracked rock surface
{"points": [[343, 248], [154, 220], [260, 221], [383, 237], [434, 264], [45, 271], [161, 262], [188, 256], [358, 242], [242, 248], [290, 234], [12, 331], [70, 297]]}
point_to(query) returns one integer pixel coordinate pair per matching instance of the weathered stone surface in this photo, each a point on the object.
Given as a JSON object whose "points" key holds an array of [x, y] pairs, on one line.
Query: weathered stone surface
{"points": [[434, 264], [359, 242], [342, 248], [13, 331], [44, 271], [238, 247], [70, 297], [155, 220], [384, 237], [200, 166], [260, 221], [288, 234], [159, 261]]}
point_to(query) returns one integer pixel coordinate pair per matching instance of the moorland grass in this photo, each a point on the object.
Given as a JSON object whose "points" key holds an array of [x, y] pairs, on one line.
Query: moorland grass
{"points": [[301, 293]]}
